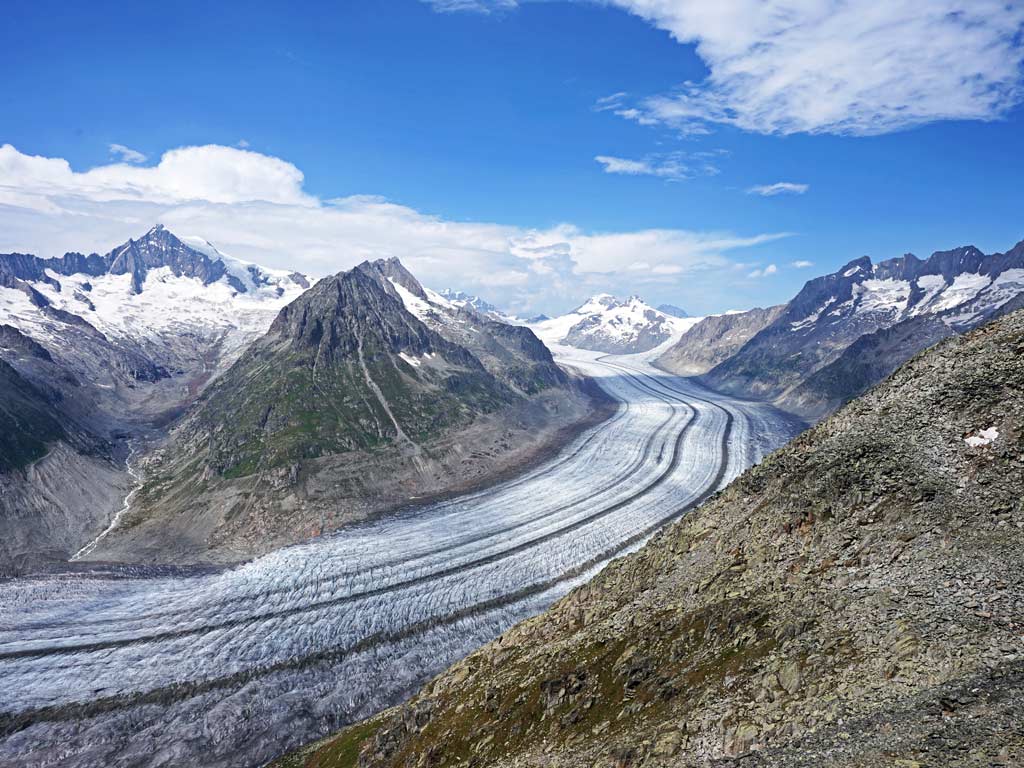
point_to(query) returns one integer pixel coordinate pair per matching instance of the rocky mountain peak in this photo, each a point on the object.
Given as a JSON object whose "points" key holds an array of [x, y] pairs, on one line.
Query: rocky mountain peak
{"points": [[159, 247], [463, 299], [392, 269], [673, 310], [349, 312]]}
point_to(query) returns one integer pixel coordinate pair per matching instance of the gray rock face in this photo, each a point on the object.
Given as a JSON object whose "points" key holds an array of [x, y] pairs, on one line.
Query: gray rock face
{"points": [[715, 339], [51, 507], [856, 599]]}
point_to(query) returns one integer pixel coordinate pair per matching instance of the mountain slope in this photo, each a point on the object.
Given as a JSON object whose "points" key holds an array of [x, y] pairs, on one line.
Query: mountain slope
{"points": [[350, 405], [56, 480], [27, 422], [715, 339], [120, 344], [962, 288], [606, 324], [511, 353], [855, 600]]}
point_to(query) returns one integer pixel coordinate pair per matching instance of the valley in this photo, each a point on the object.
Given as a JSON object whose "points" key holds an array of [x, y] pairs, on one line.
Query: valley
{"points": [[251, 661]]}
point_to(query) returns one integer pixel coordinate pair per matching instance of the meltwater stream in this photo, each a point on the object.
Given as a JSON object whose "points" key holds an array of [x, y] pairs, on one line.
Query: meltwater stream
{"points": [[235, 667]]}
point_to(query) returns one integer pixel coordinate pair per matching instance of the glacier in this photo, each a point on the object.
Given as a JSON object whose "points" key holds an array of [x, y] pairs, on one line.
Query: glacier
{"points": [[127, 666]]}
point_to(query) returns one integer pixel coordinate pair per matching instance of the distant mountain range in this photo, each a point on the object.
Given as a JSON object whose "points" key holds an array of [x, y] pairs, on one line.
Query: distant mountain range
{"points": [[608, 324], [846, 331], [296, 406]]}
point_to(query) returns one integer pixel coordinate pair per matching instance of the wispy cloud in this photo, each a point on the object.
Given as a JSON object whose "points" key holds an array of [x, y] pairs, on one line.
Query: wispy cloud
{"points": [[254, 206], [830, 66], [771, 269], [471, 6], [778, 188], [126, 154], [671, 166], [801, 264]]}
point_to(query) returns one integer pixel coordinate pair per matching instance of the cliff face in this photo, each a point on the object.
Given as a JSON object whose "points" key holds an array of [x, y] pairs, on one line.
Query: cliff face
{"points": [[857, 599]]}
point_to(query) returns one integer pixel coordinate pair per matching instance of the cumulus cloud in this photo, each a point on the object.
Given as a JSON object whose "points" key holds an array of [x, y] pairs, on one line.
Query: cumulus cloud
{"points": [[778, 188], [672, 166], [771, 269], [212, 173], [126, 154], [254, 206], [802, 264]]}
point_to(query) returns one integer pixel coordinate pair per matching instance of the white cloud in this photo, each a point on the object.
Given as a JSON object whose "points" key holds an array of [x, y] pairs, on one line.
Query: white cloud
{"points": [[849, 67], [212, 173], [778, 188], [802, 264], [473, 6], [672, 166], [771, 269], [126, 154], [253, 206]]}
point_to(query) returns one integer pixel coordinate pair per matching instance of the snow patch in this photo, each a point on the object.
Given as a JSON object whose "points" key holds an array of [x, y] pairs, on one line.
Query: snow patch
{"points": [[964, 288], [982, 438]]}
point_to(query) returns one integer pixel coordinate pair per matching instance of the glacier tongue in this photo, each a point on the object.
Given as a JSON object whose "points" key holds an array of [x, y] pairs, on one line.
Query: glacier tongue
{"points": [[233, 667]]}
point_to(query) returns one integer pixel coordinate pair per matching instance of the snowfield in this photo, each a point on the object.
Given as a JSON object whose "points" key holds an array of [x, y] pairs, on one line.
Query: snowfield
{"points": [[123, 668]]}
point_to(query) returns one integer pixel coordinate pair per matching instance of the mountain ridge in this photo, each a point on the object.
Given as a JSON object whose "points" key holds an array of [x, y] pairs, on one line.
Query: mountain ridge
{"points": [[803, 357], [605, 323]]}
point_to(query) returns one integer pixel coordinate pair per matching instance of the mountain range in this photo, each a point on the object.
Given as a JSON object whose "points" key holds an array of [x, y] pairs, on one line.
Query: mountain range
{"points": [[261, 407], [846, 331]]}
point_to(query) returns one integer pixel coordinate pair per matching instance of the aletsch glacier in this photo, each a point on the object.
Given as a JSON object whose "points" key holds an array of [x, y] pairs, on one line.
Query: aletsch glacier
{"points": [[234, 667]]}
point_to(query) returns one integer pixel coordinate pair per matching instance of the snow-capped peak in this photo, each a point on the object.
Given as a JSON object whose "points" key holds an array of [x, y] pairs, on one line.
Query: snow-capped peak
{"points": [[606, 323]]}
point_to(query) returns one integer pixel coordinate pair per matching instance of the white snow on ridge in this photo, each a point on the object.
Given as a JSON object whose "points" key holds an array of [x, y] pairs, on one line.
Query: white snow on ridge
{"points": [[168, 308], [414, 304], [238, 268], [606, 319], [882, 296], [965, 287]]}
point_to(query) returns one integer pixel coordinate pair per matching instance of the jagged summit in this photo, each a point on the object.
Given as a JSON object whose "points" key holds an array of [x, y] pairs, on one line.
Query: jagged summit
{"points": [[158, 248], [389, 272]]}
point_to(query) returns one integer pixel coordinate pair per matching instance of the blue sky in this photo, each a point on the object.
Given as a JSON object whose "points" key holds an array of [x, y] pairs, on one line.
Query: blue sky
{"points": [[532, 152]]}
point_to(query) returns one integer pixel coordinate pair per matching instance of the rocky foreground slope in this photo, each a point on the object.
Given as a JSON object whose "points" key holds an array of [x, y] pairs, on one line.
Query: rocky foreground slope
{"points": [[857, 599]]}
